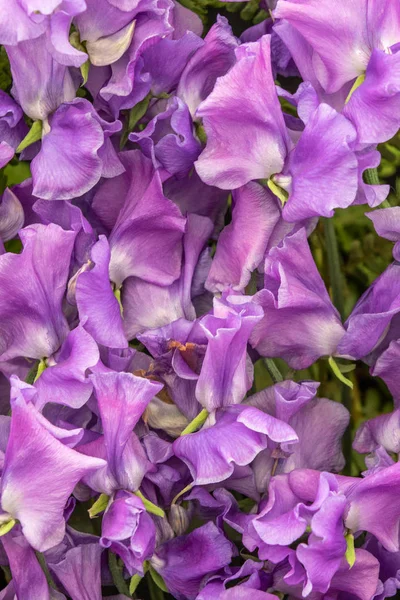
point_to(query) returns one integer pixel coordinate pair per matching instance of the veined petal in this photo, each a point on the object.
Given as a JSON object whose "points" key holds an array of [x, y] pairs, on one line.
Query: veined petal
{"points": [[39, 475], [246, 133]]}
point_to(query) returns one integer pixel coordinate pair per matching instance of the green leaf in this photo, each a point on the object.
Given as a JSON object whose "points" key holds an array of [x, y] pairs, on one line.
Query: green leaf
{"points": [[99, 506], [85, 71], [149, 506], [7, 526], [346, 368], [5, 70], [117, 294], [135, 580], [350, 550], [41, 367], [278, 191], [34, 135], [136, 113], [201, 133], [360, 79], [158, 580], [30, 378], [333, 365], [17, 172]]}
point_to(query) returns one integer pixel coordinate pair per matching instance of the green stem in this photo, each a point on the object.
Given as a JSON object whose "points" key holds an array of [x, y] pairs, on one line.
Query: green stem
{"points": [[154, 590], [150, 506], [273, 370], [45, 569], [371, 176], [196, 423], [335, 273], [135, 114], [117, 575], [336, 281]]}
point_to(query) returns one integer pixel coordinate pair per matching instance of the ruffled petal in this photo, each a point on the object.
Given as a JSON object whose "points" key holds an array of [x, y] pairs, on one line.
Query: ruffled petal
{"points": [[97, 305], [33, 324], [242, 244], [70, 161], [39, 475], [243, 144]]}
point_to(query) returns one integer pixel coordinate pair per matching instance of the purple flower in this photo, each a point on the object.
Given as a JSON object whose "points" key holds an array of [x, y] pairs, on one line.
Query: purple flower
{"points": [[225, 374], [45, 85], [122, 399], [169, 139], [319, 424], [389, 568], [146, 239], [11, 215], [211, 61], [327, 505], [76, 151], [12, 127], [243, 145], [33, 323], [148, 305], [39, 474], [386, 368], [359, 581], [372, 324], [387, 225], [186, 562], [242, 244], [238, 435], [98, 307], [300, 324], [79, 571], [119, 38], [28, 579], [27, 20], [128, 530], [335, 51], [64, 380]]}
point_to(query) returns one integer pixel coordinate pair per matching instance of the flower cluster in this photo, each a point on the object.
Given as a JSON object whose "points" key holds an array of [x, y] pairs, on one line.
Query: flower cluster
{"points": [[155, 256]]}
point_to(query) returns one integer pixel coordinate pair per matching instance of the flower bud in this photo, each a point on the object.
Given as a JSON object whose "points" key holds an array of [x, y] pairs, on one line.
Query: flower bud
{"points": [[178, 519]]}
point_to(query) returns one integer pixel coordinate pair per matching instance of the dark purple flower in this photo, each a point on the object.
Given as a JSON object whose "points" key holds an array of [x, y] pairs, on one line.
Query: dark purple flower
{"points": [[186, 562], [169, 139], [128, 530]]}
